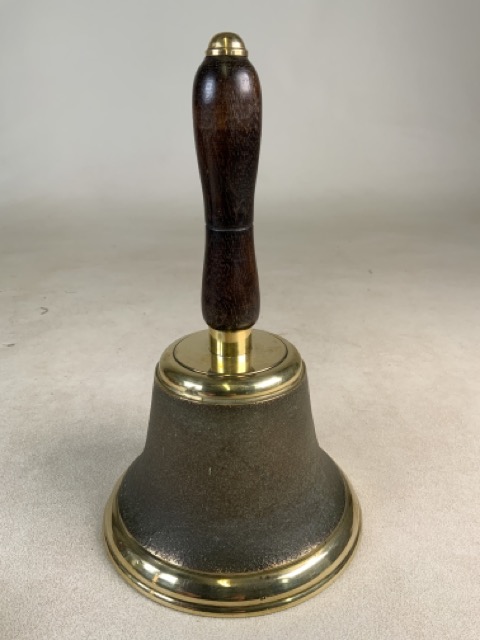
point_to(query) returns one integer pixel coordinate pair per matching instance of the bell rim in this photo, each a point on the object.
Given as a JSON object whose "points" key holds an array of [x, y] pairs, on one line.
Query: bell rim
{"points": [[232, 595]]}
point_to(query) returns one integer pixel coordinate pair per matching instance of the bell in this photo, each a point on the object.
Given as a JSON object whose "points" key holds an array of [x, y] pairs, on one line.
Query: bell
{"points": [[232, 509]]}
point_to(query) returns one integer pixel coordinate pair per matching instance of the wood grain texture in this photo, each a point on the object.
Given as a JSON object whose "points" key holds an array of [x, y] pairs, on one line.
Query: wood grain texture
{"points": [[227, 114]]}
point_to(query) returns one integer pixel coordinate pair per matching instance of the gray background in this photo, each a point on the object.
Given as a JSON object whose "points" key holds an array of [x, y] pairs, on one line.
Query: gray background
{"points": [[358, 96], [367, 231]]}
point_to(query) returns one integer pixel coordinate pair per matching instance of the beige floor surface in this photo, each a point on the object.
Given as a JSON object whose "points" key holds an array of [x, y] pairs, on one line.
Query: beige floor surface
{"points": [[382, 298]]}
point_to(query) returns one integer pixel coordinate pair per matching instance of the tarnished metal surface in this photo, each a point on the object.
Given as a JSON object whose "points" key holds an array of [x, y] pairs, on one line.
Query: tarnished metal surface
{"points": [[231, 488], [232, 594]]}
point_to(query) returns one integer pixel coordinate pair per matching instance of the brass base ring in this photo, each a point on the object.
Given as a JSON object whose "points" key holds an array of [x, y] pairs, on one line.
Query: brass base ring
{"points": [[246, 594]]}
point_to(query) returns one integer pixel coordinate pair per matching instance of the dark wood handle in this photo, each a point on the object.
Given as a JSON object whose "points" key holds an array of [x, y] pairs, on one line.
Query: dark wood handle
{"points": [[227, 116]]}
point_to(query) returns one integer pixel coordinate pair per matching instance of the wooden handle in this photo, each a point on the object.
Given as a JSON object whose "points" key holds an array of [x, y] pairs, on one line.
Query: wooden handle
{"points": [[227, 116]]}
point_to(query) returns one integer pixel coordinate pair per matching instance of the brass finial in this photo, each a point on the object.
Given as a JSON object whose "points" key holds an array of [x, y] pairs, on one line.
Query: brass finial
{"points": [[226, 44]]}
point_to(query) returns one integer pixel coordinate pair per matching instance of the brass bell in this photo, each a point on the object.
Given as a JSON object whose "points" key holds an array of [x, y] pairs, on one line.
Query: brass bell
{"points": [[232, 508]]}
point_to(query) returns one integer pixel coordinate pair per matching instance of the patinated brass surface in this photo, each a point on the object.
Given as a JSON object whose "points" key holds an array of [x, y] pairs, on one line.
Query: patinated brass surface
{"points": [[232, 508], [233, 594]]}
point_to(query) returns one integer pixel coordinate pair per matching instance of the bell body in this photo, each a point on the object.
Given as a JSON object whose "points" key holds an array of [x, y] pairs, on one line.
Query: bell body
{"points": [[232, 508]]}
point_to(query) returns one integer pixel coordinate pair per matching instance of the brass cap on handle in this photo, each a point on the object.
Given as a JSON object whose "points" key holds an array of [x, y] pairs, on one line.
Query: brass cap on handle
{"points": [[226, 44]]}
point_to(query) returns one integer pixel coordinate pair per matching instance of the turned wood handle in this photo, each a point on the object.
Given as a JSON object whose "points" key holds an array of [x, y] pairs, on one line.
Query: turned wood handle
{"points": [[227, 117]]}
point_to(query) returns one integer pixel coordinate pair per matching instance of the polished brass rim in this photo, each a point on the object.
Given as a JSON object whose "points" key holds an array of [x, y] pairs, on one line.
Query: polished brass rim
{"points": [[246, 594], [188, 369]]}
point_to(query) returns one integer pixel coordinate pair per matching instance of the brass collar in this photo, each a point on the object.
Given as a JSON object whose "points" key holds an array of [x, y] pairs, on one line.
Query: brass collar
{"points": [[188, 369]]}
